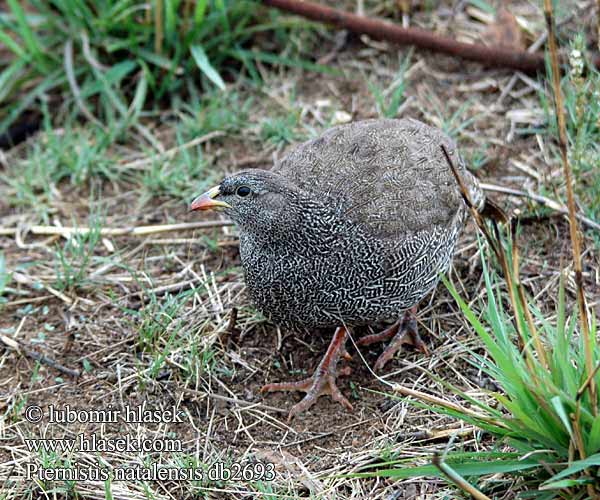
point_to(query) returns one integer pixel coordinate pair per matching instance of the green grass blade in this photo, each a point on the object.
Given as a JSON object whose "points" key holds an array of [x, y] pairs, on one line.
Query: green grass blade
{"points": [[593, 440], [29, 38], [141, 91], [13, 46], [576, 467], [464, 469], [285, 61], [200, 11], [560, 410], [171, 7], [565, 483], [206, 67], [9, 76]]}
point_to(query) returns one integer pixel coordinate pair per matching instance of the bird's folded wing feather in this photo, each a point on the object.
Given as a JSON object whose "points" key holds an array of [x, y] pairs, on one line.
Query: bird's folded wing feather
{"points": [[388, 175]]}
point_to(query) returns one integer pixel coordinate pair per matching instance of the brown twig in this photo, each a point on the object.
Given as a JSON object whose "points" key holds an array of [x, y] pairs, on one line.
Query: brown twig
{"points": [[495, 242], [575, 241], [158, 26], [142, 163], [598, 23], [26, 280], [542, 200], [523, 300], [382, 30], [474, 212], [430, 398], [587, 382], [231, 327], [31, 300], [16, 346]]}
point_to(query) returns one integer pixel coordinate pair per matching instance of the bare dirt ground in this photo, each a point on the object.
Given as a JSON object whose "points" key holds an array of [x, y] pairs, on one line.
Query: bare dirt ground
{"points": [[151, 322]]}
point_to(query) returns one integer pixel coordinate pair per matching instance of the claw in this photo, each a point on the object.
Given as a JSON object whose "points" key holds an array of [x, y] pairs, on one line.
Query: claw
{"points": [[322, 382], [402, 332]]}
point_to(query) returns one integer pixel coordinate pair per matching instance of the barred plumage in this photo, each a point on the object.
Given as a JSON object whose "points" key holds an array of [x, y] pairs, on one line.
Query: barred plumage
{"points": [[350, 228]]}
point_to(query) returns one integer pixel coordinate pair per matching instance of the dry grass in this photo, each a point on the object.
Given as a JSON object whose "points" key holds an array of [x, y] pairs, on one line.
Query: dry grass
{"points": [[146, 318]]}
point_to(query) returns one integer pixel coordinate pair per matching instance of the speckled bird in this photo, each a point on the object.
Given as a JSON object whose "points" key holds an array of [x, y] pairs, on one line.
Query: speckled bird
{"points": [[351, 228]]}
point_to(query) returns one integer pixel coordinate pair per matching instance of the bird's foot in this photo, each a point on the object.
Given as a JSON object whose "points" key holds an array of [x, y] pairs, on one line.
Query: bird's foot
{"points": [[322, 380], [386, 334], [402, 332]]}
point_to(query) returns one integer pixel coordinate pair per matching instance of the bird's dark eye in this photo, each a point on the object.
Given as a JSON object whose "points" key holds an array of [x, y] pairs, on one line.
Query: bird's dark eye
{"points": [[243, 191]]}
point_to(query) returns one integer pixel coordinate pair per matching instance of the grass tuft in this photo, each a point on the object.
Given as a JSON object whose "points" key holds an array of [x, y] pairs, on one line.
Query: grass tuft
{"points": [[389, 101], [544, 411], [111, 60], [74, 258]]}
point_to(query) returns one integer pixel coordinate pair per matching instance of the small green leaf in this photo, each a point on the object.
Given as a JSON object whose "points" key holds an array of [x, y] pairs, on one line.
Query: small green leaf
{"points": [[137, 104], [199, 12], [87, 366], [465, 469], [29, 37], [206, 67], [560, 410], [484, 6], [576, 467], [564, 483], [6, 39], [4, 276]]}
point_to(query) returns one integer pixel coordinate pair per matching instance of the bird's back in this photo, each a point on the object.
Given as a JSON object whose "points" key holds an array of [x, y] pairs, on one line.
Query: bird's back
{"points": [[388, 175]]}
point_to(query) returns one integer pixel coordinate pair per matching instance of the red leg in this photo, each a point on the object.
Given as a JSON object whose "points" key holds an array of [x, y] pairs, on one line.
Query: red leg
{"points": [[403, 332], [323, 379], [386, 334]]}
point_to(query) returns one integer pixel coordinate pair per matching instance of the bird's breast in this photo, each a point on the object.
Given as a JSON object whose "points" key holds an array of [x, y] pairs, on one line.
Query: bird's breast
{"points": [[318, 288]]}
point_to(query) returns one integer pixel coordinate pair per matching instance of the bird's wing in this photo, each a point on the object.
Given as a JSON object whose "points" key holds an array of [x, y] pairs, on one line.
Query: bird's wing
{"points": [[388, 175]]}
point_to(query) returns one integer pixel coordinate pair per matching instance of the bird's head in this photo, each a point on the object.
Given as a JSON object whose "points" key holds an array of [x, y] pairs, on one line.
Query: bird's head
{"points": [[252, 198]]}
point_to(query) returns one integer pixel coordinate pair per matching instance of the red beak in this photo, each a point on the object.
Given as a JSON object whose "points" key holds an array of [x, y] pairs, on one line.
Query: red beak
{"points": [[207, 201]]}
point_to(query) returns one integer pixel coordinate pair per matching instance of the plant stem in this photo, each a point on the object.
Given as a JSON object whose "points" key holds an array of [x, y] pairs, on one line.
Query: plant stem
{"points": [[598, 23], [158, 27], [512, 277], [575, 241], [458, 480]]}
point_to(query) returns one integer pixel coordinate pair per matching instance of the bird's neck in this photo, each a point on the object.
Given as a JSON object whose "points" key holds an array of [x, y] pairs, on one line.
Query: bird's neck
{"points": [[307, 227]]}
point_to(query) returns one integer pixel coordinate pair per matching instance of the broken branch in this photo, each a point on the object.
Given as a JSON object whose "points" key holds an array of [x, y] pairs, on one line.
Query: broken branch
{"points": [[17, 346], [381, 30]]}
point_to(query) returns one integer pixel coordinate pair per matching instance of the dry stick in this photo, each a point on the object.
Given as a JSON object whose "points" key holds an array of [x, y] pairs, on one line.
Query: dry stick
{"points": [[30, 300], [170, 153], [523, 300], [158, 27], [575, 241], [230, 329], [584, 386], [542, 200], [598, 23], [429, 398], [496, 245], [457, 479], [381, 30], [20, 348], [67, 231], [240, 402], [23, 279]]}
